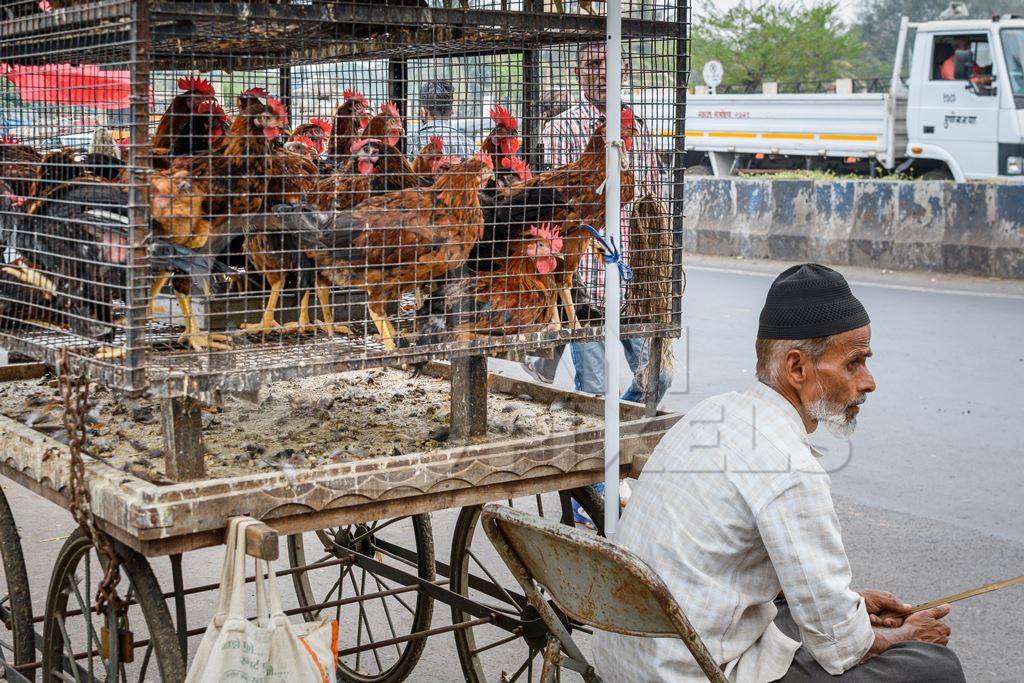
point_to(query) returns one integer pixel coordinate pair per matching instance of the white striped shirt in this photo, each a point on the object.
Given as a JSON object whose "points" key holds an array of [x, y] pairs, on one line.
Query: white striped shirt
{"points": [[565, 137], [732, 508]]}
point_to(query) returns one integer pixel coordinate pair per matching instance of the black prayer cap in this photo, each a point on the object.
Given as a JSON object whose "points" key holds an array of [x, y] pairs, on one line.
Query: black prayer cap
{"points": [[809, 301]]}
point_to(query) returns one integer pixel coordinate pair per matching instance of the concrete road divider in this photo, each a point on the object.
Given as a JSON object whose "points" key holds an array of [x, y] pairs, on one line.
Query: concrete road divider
{"points": [[970, 228]]}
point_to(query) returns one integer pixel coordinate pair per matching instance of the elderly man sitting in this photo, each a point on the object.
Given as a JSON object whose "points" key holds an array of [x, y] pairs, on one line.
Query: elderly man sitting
{"points": [[734, 511]]}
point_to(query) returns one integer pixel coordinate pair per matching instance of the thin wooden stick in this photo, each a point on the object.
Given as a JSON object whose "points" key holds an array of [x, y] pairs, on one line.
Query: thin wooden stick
{"points": [[987, 588]]}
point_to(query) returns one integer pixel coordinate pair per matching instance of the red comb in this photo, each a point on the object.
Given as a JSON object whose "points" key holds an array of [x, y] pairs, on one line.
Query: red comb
{"points": [[436, 142], [355, 95], [304, 139], [359, 144], [503, 117], [628, 119], [210, 107], [254, 92], [323, 124], [518, 164], [390, 109], [196, 85], [486, 158], [548, 232], [10, 140], [277, 107]]}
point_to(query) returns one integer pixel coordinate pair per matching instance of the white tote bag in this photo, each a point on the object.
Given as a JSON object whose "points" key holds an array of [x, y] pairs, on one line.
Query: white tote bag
{"points": [[269, 650]]}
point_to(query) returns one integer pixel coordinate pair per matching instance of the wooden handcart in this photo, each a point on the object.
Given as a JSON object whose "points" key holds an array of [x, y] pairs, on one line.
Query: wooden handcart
{"points": [[372, 532]]}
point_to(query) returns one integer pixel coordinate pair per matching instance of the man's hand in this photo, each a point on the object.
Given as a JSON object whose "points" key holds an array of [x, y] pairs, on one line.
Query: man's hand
{"points": [[879, 602], [924, 626]]}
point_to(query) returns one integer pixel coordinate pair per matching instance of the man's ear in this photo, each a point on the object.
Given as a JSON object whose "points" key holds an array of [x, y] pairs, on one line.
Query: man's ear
{"points": [[796, 368]]}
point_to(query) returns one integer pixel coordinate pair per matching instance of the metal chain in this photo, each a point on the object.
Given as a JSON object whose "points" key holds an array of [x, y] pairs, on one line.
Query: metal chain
{"points": [[74, 392]]}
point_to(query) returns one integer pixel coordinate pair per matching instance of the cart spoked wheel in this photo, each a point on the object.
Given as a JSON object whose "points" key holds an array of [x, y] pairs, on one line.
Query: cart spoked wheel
{"points": [[16, 604], [354, 574], [72, 631], [488, 653]]}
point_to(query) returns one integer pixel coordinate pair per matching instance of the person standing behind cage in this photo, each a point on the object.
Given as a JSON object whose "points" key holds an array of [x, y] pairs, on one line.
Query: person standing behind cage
{"points": [[564, 138], [436, 108]]}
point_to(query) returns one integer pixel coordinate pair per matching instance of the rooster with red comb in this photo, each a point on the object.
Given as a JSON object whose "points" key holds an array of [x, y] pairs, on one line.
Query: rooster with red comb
{"points": [[502, 143], [317, 132], [518, 298], [191, 123], [350, 118]]}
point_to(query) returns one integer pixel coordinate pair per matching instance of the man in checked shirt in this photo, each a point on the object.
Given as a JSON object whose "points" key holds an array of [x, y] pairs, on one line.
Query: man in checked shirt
{"points": [[564, 138], [734, 512]]}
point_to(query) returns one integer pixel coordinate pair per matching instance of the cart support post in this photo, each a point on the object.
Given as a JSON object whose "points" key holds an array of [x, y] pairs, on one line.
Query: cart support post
{"points": [[183, 438], [469, 397], [653, 386], [612, 295], [180, 614]]}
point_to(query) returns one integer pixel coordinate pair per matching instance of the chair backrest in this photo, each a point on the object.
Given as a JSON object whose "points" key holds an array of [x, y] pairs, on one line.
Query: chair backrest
{"points": [[593, 580]]}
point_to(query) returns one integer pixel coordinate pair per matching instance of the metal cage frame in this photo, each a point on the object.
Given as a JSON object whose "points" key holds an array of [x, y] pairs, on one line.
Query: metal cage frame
{"points": [[150, 34]]}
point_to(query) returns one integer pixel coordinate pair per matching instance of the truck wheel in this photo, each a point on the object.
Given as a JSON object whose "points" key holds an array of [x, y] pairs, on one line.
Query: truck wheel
{"points": [[937, 174], [693, 171]]}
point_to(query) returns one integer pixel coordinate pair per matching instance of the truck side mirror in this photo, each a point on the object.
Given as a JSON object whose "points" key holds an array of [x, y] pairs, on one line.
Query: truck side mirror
{"points": [[962, 61]]}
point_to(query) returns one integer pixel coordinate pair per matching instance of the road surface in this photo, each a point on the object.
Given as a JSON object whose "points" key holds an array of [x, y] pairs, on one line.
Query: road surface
{"points": [[930, 494]]}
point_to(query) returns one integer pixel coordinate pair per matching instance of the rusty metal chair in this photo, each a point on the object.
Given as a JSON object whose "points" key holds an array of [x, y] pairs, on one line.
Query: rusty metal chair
{"points": [[594, 582]]}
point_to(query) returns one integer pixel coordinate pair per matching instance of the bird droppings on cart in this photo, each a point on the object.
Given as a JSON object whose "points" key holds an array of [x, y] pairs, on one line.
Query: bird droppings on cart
{"points": [[292, 425]]}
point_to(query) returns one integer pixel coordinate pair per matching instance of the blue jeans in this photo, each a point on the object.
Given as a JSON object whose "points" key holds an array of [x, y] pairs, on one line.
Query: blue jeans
{"points": [[588, 359]]}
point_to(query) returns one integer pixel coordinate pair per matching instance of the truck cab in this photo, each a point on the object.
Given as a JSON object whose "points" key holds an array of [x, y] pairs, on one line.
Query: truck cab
{"points": [[965, 99]]}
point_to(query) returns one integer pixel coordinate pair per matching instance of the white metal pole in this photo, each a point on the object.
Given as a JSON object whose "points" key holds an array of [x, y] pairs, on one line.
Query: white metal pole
{"points": [[613, 99]]}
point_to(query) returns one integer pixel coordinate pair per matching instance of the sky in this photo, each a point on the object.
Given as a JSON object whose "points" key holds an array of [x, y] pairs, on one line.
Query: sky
{"points": [[846, 8]]}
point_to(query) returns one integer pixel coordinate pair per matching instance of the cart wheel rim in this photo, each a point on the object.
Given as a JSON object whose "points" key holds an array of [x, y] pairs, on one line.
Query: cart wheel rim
{"points": [[379, 606], [72, 631]]}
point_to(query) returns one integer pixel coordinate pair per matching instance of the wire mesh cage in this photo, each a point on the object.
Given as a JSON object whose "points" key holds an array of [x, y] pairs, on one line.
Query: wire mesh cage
{"points": [[200, 196]]}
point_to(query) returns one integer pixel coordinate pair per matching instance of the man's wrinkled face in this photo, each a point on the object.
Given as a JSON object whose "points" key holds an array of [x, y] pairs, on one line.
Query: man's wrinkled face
{"points": [[593, 74], [843, 382]]}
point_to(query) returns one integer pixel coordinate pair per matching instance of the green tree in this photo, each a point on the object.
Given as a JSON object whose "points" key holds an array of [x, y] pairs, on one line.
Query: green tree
{"points": [[761, 40]]}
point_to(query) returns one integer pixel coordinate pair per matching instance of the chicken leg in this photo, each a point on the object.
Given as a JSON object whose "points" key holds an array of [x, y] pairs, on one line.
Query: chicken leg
{"points": [[554, 319], [565, 294], [323, 296], [303, 324], [158, 286], [384, 328], [268, 322], [193, 335]]}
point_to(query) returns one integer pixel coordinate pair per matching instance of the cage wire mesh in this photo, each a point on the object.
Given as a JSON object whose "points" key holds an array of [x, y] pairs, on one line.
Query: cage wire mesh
{"points": [[219, 194]]}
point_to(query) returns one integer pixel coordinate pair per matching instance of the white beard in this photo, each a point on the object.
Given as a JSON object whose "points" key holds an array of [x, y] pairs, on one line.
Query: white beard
{"points": [[834, 417]]}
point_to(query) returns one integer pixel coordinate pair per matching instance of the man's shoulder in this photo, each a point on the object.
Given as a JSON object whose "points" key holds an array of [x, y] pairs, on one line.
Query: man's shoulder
{"points": [[734, 431]]}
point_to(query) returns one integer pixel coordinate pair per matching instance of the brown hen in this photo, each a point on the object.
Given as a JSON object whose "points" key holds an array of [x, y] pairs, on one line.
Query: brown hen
{"points": [[394, 243]]}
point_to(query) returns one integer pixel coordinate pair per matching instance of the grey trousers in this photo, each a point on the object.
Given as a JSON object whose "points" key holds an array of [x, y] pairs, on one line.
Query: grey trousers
{"points": [[909, 662]]}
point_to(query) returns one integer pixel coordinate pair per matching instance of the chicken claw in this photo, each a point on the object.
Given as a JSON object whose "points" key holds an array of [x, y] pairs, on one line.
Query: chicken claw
{"points": [[110, 353], [265, 326], [205, 341]]}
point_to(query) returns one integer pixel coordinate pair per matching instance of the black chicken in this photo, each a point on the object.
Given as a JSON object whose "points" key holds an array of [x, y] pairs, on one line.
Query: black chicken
{"points": [[79, 238]]}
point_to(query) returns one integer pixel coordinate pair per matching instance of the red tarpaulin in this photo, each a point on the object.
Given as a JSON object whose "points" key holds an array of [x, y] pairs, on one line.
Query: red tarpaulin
{"points": [[66, 85]]}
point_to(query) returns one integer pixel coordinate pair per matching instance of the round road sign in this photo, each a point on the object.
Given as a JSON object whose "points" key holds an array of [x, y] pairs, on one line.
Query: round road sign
{"points": [[713, 73]]}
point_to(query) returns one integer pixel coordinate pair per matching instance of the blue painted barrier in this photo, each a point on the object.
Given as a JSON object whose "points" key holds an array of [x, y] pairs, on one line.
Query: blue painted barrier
{"points": [[971, 228]]}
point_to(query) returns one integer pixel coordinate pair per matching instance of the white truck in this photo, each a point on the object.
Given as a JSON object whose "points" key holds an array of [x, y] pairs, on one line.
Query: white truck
{"points": [[958, 114]]}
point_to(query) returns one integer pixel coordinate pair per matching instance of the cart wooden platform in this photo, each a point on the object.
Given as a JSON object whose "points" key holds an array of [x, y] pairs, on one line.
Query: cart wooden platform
{"points": [[347, 505]]}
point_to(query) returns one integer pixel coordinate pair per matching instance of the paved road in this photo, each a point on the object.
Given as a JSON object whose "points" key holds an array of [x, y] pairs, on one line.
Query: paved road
{"points": [[930, 495]]}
